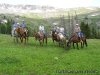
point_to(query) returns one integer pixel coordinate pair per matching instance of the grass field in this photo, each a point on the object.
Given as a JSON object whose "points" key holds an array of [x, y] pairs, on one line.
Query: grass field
{"points": [[32, 59]]}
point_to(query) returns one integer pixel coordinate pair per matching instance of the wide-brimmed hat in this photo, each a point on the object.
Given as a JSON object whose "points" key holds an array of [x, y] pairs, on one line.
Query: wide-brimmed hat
{"points": [[23, 20], [18, 23], [77, 24]]}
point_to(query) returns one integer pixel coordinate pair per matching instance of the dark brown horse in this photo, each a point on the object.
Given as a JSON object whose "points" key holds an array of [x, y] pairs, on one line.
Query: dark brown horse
{"points": [[75, 39], [22, 33], [41, 37], [55, 36]]}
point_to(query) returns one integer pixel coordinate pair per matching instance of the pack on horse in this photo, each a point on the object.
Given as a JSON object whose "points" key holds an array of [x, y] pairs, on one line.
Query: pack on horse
{"points": [[60, 38], [22, 33], [41, 37], [75, 39]]}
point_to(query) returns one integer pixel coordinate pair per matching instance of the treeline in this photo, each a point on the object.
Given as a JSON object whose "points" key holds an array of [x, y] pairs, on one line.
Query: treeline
{"points": [[5, 28], [90, 31]]}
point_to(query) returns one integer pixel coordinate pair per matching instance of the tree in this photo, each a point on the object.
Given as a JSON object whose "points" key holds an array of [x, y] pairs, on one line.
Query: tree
{"points": [[85, 29], [3, 29], [9, 23], [94, 32]]}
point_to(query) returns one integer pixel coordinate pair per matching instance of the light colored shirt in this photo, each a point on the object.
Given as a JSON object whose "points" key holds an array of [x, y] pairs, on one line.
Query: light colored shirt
{"points": [[41, 28], [61, 29], [58, 29], [77, 29]]}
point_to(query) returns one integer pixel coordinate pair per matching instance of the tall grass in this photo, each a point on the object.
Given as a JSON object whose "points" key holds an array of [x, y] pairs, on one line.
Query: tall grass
{"points": [[32, 59]]}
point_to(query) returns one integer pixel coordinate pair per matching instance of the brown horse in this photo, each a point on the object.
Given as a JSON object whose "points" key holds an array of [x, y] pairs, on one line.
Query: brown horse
{"points": [[22, 33], [58, 37], [75, 39], [41, 37]]}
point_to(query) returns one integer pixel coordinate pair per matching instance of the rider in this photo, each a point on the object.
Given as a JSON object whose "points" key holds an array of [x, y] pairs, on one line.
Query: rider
{"points": [[41, 29], [57, 29], [23, 25], [78, 31], [62, 30], [15, 25]]}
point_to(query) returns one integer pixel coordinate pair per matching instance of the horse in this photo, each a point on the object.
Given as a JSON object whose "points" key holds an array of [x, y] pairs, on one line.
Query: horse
{"points": [[62, 40], [22, 33], [41, 37], [59, 37], [15, 35], [55, 36], [75, 39]]}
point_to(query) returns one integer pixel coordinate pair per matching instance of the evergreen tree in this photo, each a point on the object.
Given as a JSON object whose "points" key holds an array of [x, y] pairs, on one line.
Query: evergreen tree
{"points": [[82, 26], [3, 28], [94, 32], [9, 23], [85, 29]]}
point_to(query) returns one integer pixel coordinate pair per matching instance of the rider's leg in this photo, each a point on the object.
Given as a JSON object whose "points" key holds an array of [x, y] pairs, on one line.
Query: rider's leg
{"points": [[79, 36]]}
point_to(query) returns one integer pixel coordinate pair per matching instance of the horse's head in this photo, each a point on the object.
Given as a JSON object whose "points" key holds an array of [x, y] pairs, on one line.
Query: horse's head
{"points": [[53, 32], [68, 44]]}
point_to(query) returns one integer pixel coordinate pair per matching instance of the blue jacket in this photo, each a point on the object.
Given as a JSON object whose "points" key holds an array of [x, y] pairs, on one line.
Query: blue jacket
{"points": [[23, 25], [15, 25]]}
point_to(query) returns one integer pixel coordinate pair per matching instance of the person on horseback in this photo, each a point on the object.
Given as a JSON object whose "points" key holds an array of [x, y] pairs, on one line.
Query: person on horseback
{"points": [[62, 31], [23, 25], [15, 25], [78, 31], [54, 28], [41, 29], [57, 29]]}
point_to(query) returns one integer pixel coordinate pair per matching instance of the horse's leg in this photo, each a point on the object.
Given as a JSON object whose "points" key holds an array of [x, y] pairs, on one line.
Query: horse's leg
{"points": [[58, 43], [21, 39], [77, 45], [25, 39], [14, 38], [86, 43], [82, 44], [40, 42], [65, 44], [73, 45], [53, 40], [43, 40], [46, 40], [17, 39]]}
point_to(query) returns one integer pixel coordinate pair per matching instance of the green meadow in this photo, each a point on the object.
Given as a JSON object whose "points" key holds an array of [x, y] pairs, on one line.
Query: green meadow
{"points": [[33, 59]]}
